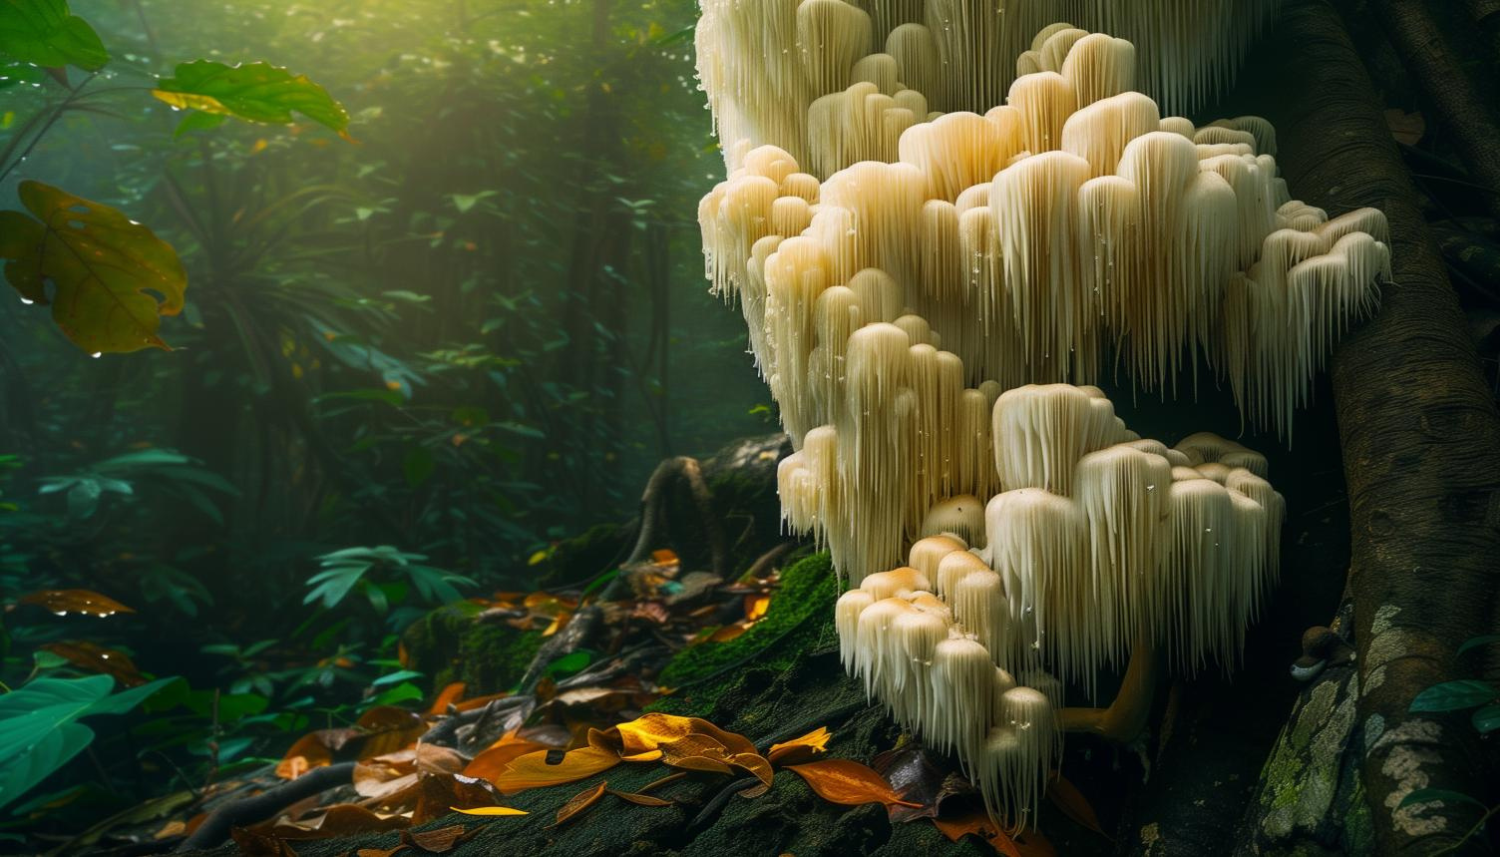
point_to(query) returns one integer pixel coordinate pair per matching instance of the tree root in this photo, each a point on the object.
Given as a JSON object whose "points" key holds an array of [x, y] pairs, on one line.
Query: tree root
{"points": [[215, 829], [671, 473]]}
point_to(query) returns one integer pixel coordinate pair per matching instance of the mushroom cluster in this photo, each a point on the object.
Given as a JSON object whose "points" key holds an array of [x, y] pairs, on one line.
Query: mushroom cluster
{"points": [[930, 296], [1028, 242], [1102, 545], [813, 64]]}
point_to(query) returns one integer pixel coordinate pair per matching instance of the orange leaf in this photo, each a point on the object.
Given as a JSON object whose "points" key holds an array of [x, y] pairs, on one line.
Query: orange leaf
{"points": [[313, 750], [492, 762], [664, 557], [1033, 844], [65, 601], [96, 658], [977, 822], [448, 696], [479, 701], [848, 783], [580, 802], [532, 770], [1066, 797], [728, 632], [640, 799], [809, 746]]}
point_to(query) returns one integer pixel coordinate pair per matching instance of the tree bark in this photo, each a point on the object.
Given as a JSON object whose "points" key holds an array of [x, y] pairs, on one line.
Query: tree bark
{"points": [[1421, 446]]}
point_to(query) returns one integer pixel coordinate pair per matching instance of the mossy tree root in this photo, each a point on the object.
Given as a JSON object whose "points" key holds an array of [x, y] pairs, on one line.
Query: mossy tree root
{"points": [[669, 475]]}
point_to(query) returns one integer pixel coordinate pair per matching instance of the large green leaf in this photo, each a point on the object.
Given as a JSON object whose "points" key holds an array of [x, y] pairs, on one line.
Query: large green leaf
{"points": [[113, 277], [1455, 696], [45, 33], [257, 92], [39, 731]]}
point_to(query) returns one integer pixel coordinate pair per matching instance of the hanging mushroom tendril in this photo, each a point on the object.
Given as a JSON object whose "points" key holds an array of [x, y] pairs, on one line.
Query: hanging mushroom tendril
{"points": [[922, 292]]}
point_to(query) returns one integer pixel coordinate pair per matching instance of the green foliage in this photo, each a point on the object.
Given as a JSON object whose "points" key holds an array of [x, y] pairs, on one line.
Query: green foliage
{"points": [[46, 33], [255, 92], [114, 278], [39, 728], [346, 569], [1455, 696]]}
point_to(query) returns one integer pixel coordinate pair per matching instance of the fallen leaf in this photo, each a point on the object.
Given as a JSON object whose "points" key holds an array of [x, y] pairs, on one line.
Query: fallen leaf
{"points": [[755, 764], [492, 762], [447, 696], [652, 730], [65, 601], [96, 658], [479, 701], [664, 557], [580, 802], [803, 749], [437, 841], [849, 783], [388, 728], [639, 799], [919, 776], [491, 810], [756, 607], [436, 791], [1033, 844], [255, 843], [532, 770], [1066, 797], [314, 750], [345, 819], [382, 852], [978, 822]]}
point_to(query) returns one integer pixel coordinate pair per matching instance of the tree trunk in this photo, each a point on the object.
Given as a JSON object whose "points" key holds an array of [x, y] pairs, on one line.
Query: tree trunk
{"points": [[1421, 447]]}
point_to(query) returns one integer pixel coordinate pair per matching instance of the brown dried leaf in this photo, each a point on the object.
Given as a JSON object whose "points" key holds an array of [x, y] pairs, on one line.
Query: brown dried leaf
{"points": [[639, 799], [345, 819], [382, 852], [580, 802], [65, 601], [255, 843], [96, 658], [436, 793], [1067, 798], [438, 841], [849, 783]]}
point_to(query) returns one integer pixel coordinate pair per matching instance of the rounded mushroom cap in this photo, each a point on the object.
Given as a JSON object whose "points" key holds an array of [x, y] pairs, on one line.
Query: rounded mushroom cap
{"points": [[927, 553], [897, 582]]}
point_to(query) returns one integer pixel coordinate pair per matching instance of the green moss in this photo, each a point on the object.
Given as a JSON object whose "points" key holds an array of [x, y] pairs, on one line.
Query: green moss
{"points": [[582, 556], [449, 645], [800, 619]]}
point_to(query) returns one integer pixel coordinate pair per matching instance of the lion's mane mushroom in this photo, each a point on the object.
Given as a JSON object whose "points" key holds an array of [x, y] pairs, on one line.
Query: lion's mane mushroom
{"points": [[929, 297]]}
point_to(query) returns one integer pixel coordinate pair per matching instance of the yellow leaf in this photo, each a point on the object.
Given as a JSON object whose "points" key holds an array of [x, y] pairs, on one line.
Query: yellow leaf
{"points": [[538, 556], [490, 764], [803, 749], [755, 764], [532, 771], [849, 783], [580, 802], [491, 810], [650, 731], [756, 606]]}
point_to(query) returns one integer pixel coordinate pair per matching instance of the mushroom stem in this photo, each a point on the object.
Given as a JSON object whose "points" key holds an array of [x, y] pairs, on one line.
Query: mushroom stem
{"points": [[1125, 718]]}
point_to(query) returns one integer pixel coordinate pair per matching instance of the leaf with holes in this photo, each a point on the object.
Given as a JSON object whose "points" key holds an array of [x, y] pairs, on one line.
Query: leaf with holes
{"points": [[46, 33], [112, 278], [255, 92]]}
